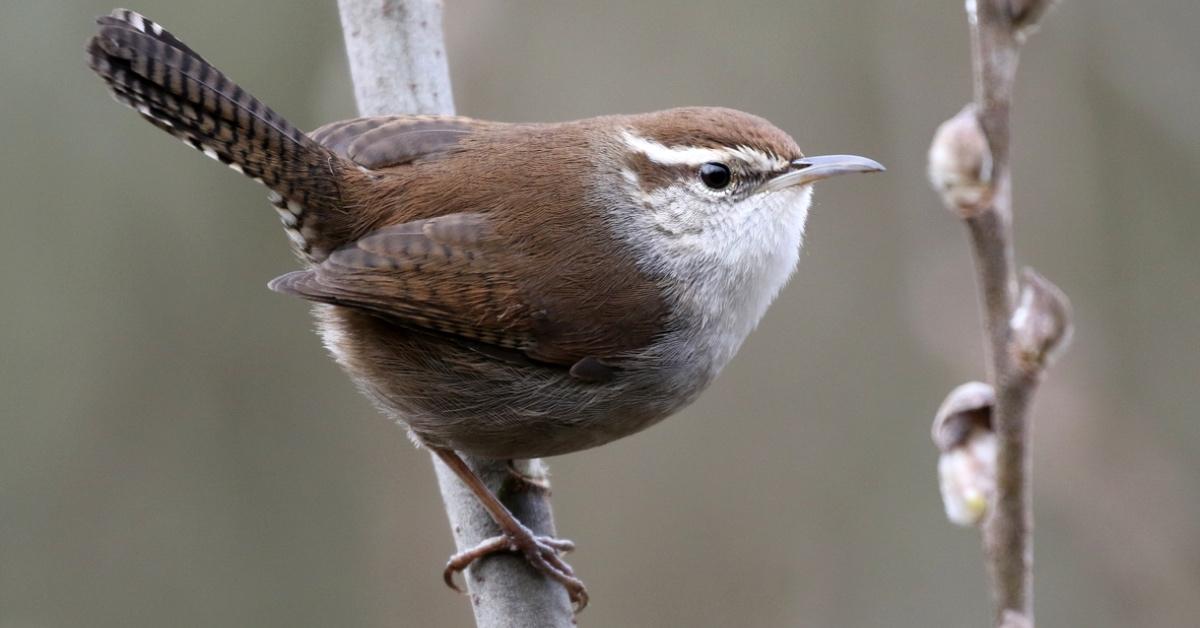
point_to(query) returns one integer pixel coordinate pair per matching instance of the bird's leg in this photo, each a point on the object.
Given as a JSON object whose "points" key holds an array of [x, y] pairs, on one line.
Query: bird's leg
{"points": [[542, 552], [527, 479]]}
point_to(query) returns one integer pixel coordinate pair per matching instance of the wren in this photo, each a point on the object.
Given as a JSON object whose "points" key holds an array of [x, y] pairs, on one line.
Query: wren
{"points": [[506, 290]]}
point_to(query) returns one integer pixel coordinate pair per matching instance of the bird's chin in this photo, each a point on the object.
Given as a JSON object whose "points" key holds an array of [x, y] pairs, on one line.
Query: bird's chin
{"points": [[790, 202]]}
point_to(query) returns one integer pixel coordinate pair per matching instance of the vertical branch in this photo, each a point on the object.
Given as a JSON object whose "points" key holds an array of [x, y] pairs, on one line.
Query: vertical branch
{"points": [[1024, 325], [398, 63], [397, 56]]}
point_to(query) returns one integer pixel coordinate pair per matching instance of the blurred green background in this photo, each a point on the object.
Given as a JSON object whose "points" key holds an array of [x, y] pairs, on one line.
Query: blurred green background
{"points": [[177, 450]]}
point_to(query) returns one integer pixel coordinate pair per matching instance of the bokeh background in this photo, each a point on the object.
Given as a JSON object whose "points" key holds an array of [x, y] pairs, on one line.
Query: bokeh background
{"points": [[177, 450]]}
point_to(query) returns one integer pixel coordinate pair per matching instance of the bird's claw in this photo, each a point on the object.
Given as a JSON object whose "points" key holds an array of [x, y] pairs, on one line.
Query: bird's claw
{"points": [[542, 552]]}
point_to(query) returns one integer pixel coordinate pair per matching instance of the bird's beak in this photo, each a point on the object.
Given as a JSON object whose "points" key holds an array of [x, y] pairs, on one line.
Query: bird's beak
{"points": [[809, 169]]}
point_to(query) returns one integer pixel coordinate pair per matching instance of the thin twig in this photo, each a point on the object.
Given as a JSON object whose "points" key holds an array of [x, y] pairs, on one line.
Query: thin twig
{"points": [[398, 63], [969, 164]]}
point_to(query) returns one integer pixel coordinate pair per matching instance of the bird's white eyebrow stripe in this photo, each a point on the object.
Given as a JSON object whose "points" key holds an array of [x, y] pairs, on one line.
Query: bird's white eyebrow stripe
{"points": [[695, 156], [672, 156]]}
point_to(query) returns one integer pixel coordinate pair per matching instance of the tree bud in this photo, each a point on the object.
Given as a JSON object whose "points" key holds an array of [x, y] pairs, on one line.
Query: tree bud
{"points": [[1026, 14], [960, 164], [962, 431], [1041, 322]]}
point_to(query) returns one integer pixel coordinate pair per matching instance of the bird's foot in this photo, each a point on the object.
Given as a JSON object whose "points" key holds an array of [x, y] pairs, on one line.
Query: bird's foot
{"points": [[542, 552]]}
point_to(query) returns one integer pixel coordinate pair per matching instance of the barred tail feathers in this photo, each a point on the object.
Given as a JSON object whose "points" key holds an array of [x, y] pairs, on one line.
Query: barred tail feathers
{"points": [[177, 90]]}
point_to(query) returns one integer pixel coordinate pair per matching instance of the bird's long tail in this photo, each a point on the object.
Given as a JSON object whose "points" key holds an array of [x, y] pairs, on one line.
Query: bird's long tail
{"points": [[176, 90]]}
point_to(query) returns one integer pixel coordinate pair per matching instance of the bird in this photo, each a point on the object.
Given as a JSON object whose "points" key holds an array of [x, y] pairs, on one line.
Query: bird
{"points": [[505, 290]]}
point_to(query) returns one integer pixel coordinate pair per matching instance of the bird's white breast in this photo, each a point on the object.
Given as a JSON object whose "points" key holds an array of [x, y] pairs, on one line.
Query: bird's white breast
{"points": [[723, 271]]}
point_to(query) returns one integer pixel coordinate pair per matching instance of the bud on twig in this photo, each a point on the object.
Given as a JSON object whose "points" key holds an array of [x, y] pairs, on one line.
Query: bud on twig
{"points": [[967, 407], [1026, 14], [962, 431], [1041, 323], [988, 474], [1013, 619], [960, 164]]}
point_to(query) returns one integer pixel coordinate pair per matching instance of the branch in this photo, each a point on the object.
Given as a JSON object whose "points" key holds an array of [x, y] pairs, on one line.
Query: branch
{"points": [[398, 63], [1025, 325]]}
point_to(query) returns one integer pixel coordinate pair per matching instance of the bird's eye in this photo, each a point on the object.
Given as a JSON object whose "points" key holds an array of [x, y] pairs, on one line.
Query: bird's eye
{"points": [[716, 176]]}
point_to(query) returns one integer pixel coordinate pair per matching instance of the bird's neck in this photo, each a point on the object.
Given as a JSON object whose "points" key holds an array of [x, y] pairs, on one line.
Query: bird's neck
{"points": [[718, 282]]}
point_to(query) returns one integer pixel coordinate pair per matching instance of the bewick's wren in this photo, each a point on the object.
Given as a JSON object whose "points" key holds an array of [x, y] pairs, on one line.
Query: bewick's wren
{"points": [[506, 290]]}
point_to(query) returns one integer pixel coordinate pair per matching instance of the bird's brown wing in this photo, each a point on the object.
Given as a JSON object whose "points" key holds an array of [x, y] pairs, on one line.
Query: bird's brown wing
{"points": [[388, 141], [445, 274], [449, 274], [554, 295]]}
